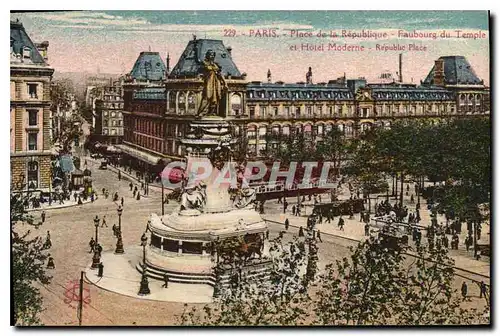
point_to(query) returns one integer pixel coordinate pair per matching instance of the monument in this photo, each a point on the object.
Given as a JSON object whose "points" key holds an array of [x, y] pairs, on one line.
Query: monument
{"points": [[215, 233]]}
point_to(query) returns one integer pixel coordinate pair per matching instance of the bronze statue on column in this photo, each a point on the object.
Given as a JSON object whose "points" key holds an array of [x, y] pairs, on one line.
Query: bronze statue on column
{"points": [[213, 86]]}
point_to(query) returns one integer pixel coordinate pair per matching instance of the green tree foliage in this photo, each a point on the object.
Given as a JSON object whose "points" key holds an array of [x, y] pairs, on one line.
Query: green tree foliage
{"points": [[379, 284], [28, 265]]}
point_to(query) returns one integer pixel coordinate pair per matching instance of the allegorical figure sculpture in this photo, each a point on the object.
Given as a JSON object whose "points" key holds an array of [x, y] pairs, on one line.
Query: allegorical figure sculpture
{"points": [[246, 197], [194, 198], [213, 86]]}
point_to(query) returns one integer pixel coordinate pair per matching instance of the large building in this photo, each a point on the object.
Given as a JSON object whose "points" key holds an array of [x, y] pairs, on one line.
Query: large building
{"points": [[144, 110], [107, 113], [30, 116], [156, 115]]}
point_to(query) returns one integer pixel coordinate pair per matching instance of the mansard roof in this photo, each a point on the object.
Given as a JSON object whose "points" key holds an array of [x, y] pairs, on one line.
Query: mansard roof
{"points": [[19, 40], [191, 60], [297, 91], [149, 66], [150, 93], [415, 93], [457, 71]]}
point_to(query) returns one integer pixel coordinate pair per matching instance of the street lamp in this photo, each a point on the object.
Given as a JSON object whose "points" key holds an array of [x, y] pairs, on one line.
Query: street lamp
{"points": [[96, 259], [119, 243], [144, 289]]}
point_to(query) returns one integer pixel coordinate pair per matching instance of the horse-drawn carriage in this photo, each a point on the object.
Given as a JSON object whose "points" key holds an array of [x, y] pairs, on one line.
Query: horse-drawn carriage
{"points": [[338, 208]]}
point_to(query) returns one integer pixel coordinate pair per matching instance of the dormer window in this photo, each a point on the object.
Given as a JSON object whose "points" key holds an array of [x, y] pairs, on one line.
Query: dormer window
{"points": [[26, 52]]}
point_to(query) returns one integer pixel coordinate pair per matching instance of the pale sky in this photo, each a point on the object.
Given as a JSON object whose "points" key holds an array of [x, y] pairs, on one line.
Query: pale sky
{"points": [[111, 40]]}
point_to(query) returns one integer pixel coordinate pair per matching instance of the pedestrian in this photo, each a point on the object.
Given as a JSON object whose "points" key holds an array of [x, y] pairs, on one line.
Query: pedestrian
{"points": [[119, 175], [478, 254], [285, 205], [122, 201], [103, 191], [135, 191], [293, 209], [92, 244], [43, 216], [367, 229], [50, 263], [115, 230], [279, 200], [464, 290], [75, 196], [165, 279], [341, 223], [267, 234], [412, 199], [319, 198], [130, 186], [104, 221], [100, 272], [482, 290], [138, 196], [92, 197], [468, 242], [301, 232], [319, 236], [99, 248], [287, 224], [298, 210]]}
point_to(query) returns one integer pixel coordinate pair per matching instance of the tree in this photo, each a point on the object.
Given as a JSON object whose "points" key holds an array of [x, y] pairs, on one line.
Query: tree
{"points": [[333, 148], [28, 265], [281, 299], [379, 285]]}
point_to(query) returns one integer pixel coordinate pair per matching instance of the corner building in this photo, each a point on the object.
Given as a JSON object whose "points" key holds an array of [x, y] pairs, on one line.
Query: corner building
{"points": [[30, 116]]}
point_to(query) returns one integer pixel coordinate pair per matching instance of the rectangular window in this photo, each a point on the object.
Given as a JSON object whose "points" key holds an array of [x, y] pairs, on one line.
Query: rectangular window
{"points": [[287, 110], [32, 175], [275, 111], [32, 91], [263, 111], [32, 117], [32, 141], [252, 112]]}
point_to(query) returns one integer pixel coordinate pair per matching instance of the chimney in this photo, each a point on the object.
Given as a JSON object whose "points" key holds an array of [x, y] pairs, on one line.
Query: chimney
{"points": [[269, 76], [439, 72], [168, 63], [401, 68]]}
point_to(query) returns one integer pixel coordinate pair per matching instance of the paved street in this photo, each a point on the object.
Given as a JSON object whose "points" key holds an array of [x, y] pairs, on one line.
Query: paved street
{"points": [[71, 229]]}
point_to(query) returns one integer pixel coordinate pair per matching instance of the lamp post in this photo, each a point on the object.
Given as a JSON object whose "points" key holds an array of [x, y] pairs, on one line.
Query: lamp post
{"points": [[144, 289], [96, 259], [119, 242]]}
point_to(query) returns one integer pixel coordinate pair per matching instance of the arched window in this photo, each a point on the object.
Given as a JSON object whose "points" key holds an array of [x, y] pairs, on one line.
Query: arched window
{"points": [[191, 103], [478, 99], [462, 99], [235, 104], [171, 101], [182, 103]]}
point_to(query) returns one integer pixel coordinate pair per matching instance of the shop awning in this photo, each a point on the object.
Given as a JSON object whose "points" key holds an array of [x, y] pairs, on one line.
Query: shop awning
{"points": [[149, 158]]}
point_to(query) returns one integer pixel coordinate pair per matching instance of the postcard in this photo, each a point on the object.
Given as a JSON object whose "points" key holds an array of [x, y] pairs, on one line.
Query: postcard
{"points": [[250, 168]]}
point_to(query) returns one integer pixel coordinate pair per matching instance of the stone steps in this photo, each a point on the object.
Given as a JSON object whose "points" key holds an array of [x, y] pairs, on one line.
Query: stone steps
{"points": [[252, 272]]}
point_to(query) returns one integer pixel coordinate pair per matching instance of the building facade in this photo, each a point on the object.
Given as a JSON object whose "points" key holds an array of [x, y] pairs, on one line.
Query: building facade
{"points": [[30, 116], [108, 114], [144, 109], [258, 110]]}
